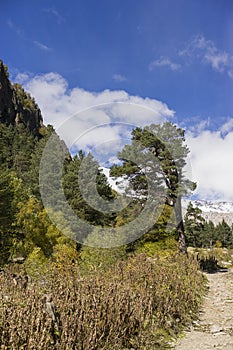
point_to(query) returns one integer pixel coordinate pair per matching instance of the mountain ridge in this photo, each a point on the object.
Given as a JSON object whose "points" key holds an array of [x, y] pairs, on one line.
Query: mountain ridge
{"points": [[212, 210]]}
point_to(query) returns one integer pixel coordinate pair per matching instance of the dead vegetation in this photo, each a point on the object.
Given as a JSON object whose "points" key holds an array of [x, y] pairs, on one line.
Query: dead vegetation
{"points": [[137, 304]]}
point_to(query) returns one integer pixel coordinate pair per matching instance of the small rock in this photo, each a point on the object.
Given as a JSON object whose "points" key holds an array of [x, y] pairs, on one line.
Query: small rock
{"points": [[215, 329]]}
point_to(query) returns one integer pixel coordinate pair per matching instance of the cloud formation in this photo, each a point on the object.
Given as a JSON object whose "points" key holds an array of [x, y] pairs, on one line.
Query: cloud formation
{"points": [[54, 13], [198, 49], [212, 162], [207, 52], [164, 62], [92, 121], [41, 46], [21, 34], [19, 31], [119, 78]]}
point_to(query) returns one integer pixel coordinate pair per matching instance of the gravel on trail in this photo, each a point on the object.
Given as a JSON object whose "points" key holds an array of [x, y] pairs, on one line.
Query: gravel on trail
{"points": [[214, 330]]}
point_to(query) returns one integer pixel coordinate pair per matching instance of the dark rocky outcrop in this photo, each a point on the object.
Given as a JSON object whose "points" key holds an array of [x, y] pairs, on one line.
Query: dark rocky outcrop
{"points": [[17, 106]]}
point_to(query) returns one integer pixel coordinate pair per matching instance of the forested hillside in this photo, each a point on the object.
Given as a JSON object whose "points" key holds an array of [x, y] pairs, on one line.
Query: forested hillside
{"points": [[25, 228], [56, 293]]}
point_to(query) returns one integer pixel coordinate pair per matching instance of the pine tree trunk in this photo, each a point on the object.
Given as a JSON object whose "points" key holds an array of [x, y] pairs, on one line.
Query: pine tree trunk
{"points": [[180, 226]]}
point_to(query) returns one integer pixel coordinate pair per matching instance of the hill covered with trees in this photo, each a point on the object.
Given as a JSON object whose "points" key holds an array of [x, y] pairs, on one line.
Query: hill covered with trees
{"points": [[155, 174], [56, 293], [26, 229]]}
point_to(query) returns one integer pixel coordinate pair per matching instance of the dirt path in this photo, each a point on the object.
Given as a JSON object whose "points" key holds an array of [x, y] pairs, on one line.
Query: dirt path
{"points": [[214, 330]]}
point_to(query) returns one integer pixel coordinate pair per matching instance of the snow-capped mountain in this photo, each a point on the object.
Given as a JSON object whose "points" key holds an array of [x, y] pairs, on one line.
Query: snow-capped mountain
{"points": [[215, 211], [214, 206]]}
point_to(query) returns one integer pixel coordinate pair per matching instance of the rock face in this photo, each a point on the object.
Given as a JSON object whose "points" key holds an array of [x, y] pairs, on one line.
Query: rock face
{"points": [[218, 217], [16, 106]]}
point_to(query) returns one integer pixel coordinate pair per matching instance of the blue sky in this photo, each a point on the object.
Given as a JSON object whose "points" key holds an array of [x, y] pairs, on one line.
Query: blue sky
{"points": [[112, 44], [179, 53]]}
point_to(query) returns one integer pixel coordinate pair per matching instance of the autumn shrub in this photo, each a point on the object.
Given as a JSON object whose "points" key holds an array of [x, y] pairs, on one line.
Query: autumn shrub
{"points": [[164, 247], [138, 303], [223, 255]]}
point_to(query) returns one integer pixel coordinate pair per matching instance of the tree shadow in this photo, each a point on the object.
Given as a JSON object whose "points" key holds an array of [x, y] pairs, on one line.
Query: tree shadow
{"points": [[210, 265]]}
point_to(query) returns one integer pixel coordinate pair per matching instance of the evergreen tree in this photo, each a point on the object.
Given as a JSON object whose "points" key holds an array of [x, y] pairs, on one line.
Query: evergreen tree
{"points": [[209, 235], [22, 148], [75, 195], [6, 140], [166, 143], [7, 212], [194, 226], [223, 233], [32, 175]]}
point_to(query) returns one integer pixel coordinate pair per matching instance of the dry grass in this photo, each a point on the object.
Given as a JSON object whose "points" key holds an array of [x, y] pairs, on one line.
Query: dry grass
{"points": [[137, 304]]}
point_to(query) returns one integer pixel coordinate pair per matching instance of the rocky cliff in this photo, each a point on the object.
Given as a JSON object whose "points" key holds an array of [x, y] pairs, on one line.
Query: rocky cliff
{"points": [[16, 106]]}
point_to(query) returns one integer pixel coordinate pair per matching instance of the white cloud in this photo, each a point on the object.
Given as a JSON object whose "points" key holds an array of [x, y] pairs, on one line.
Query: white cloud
{"points": [[207, 52], [59, 18], [199, 126], [22, 78], [227, 127], [77, 114], [20, 32], [119, 78], [219, 61], [58, 103], [164, 62], [212, 162], [15, 28], [41, 46]]}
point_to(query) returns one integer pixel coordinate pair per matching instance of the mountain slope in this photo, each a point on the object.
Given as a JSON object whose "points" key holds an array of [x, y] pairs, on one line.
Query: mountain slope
{"points": [[16, 106], [214, 211]]}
